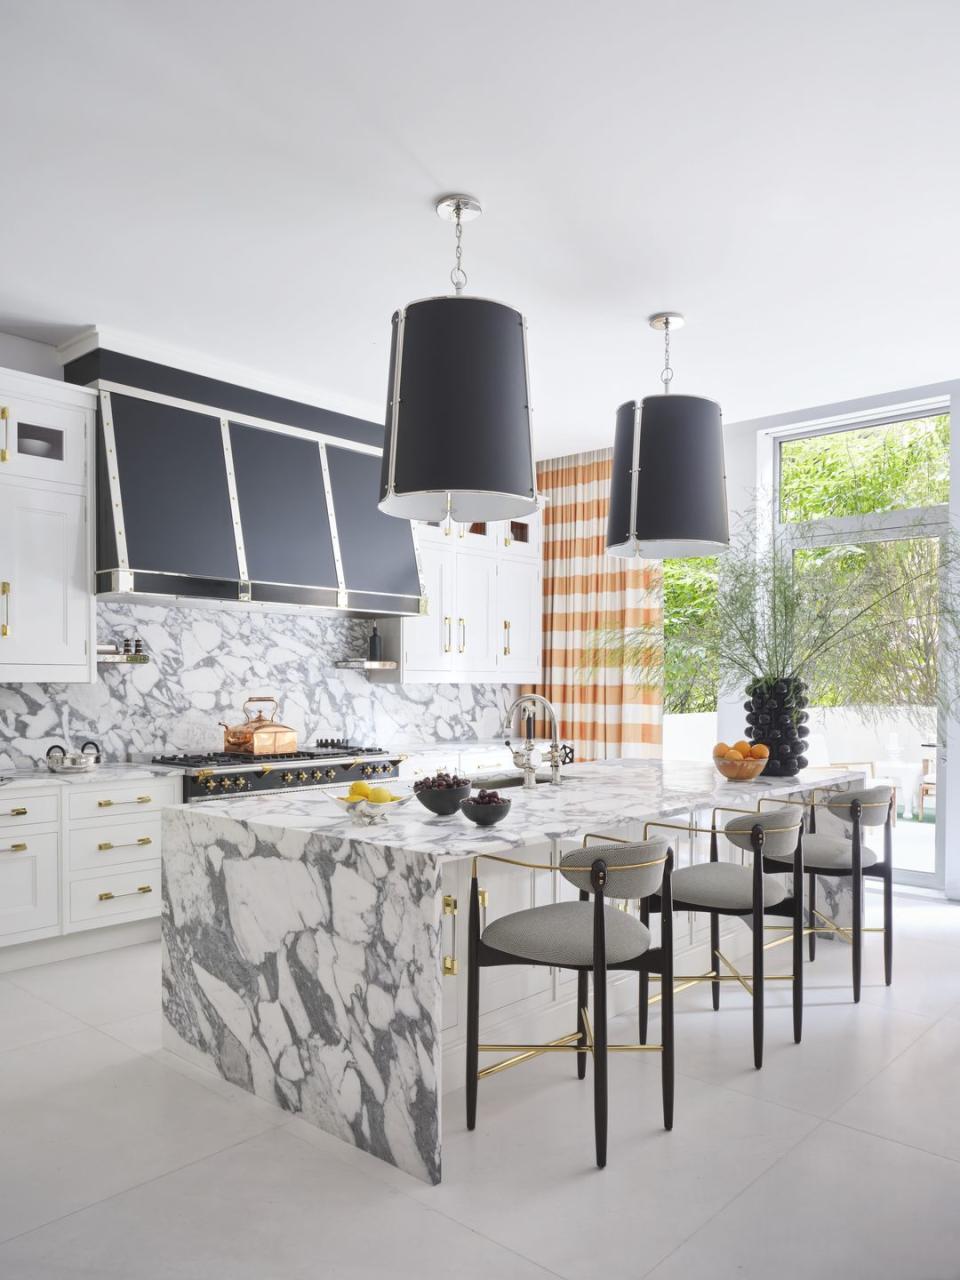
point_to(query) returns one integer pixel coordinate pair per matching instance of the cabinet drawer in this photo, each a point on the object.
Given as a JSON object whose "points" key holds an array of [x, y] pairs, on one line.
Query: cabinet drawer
{"points": [[30, 810], [109, 844], [124, 799], [29, 882], [121, 893]]}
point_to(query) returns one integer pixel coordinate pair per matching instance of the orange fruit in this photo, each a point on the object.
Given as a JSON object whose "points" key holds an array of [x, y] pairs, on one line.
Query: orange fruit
{"points": [[759, 751], [742, 746], [733, 755], [720, 749]]}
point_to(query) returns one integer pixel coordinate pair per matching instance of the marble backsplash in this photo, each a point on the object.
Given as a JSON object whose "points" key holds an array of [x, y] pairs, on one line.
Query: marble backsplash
{"points": [[205, 661]]}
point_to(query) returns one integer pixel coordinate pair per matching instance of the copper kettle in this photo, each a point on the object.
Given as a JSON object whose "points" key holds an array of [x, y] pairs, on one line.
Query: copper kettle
{"points": [[258, 736]]}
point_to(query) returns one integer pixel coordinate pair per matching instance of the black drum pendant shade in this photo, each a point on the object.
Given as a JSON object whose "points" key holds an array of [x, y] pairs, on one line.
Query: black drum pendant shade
{"points": [[458, 442], [668, 494]]}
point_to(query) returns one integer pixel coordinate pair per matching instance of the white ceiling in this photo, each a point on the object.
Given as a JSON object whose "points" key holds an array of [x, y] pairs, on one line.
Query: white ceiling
{"points": [[255, 181]]}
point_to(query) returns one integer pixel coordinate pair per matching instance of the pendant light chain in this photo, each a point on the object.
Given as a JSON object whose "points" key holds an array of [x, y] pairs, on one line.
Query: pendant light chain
{"points": [[458, 277], [666, 373]]}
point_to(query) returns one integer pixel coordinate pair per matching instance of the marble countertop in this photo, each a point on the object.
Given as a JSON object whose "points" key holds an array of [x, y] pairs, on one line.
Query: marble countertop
{"points": [[614, 796], [31, 779]]}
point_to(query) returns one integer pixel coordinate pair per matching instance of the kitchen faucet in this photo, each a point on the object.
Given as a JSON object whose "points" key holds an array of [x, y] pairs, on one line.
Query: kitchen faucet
{"points": [[523, 757]]}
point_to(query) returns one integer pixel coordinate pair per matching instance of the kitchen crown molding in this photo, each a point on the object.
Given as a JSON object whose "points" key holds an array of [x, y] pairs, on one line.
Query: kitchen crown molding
{"points": [[191, 361]]}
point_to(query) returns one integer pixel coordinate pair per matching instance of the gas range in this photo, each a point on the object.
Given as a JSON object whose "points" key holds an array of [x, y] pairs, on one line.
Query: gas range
{"points": [[214, 774]]}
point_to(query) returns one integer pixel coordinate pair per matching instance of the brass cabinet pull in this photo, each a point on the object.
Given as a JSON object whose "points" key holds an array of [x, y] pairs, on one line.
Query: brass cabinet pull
{"points": [[448, 640], [506, 637], [450, 966], [5, 419], [133, 893], [5, 594], [462, 624], [105, 845], [19, 812], [20, 847], [109, 804]]}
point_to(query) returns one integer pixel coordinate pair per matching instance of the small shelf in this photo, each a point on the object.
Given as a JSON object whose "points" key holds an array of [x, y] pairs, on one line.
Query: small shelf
{"points": [[364, 664], [116, 659]]}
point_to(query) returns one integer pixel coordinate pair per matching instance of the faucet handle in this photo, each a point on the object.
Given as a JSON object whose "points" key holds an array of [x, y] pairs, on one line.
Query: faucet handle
{"points": [[567, 754]]}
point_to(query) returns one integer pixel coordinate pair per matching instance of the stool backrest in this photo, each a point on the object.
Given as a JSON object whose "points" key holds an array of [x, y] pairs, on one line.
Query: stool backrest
{"points": [[874, 801], [638, 882], [781, 830]]}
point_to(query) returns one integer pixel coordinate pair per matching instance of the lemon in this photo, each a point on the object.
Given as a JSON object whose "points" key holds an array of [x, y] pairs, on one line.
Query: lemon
{"points": [[379, 795], [361, 790]]}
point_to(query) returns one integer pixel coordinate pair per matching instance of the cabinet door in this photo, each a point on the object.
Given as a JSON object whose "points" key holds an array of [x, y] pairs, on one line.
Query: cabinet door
{"points": [[46, 596], [519, 610], [42, 441], [29, 895], [428, 641], [475, 621]]}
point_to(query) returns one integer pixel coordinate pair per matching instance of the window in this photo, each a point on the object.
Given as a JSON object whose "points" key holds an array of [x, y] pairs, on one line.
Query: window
{"points": [[865, 470]]}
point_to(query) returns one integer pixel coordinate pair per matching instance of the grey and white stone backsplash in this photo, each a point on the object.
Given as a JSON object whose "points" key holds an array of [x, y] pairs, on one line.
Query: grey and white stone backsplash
{"points": [[205, 661]]}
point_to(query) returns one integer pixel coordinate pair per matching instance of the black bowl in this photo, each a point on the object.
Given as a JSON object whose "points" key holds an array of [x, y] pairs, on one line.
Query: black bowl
{"points": [[442, 801], [484, 815]]}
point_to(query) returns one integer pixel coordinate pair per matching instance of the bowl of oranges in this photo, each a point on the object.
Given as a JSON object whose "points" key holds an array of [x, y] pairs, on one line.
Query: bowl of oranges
{"points": [[741, 762]]}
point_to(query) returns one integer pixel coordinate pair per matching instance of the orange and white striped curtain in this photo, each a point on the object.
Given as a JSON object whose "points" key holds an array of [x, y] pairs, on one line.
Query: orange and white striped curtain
{"points": [[604, 713]]}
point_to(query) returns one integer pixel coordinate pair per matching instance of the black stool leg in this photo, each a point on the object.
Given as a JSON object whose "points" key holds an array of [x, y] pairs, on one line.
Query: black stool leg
{"points": [[798, 941], [714, 962], [582, 996], [812, 939], [758, 952], [888, 900], [473, 1002], [644, 1011], [666, 988], [598, 879], [856, 882]]}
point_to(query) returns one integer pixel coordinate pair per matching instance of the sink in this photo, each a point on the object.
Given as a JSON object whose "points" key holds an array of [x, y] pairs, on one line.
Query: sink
{"points": [[494, 782]]}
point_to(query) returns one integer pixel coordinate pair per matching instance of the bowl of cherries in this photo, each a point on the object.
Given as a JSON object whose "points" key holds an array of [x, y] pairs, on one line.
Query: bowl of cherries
{"points": [[441, 793], [485, 808]]}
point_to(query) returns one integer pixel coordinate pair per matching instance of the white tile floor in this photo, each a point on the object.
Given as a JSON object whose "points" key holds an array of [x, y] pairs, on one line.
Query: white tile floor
{"points": [[840, 1159]]}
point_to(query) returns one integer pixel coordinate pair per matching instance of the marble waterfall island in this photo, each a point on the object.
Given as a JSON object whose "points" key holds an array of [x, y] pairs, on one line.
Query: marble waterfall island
{"points": [[302, 952]]}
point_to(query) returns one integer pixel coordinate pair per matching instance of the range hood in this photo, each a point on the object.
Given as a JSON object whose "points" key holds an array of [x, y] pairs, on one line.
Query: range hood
{"points": [[207, 501]]}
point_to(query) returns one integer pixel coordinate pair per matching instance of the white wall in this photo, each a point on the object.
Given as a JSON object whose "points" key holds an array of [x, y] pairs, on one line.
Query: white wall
{"points": [[29, 357]]}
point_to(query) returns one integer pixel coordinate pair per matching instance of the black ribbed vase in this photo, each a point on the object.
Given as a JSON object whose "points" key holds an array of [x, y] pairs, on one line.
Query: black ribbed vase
{"points": [[777, 717]]}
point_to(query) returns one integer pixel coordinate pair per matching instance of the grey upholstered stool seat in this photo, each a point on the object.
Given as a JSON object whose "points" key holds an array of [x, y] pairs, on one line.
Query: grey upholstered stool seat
{"points": [[562, 933], [722, 886], [828, 851]]}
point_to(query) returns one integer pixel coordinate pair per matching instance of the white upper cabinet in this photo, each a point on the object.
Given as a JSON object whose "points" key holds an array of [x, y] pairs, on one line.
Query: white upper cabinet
{"points": [[483, 596], [46, 543]]}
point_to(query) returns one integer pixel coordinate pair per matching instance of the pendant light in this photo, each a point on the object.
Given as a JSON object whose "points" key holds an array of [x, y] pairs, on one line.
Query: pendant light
{"points": [[458, 443], [668, 493]]}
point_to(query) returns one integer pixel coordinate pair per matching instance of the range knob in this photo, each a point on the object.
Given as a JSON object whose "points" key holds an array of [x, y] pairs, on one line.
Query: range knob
{"points": [[317, 775], [211, 784], [227, 784], [331, 774], [288, 777], [302, 776], [367, 771], [242, 784]]}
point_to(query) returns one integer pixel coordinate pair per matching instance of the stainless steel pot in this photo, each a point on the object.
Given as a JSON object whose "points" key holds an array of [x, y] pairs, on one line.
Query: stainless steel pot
{"points": [[60, 760]]}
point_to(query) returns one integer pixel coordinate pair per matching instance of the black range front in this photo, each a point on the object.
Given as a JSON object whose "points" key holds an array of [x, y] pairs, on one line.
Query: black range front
{"points": [[213, 775]]}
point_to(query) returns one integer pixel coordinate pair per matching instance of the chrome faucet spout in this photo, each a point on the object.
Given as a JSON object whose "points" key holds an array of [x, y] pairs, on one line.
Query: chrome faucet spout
{"points": [[523, 757]]}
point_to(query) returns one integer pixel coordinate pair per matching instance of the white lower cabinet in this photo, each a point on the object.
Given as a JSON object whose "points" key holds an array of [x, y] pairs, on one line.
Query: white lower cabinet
{"points": [[29, 882], [80, 855]]}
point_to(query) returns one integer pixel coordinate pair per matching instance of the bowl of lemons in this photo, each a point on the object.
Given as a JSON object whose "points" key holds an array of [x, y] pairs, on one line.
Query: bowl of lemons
{"points": [[741, 762], [369, 802]]}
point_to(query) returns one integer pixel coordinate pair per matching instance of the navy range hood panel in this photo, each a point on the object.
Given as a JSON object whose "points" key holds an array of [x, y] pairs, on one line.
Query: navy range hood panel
{"points": [[374, 558], [283, 508], [173, 483]]}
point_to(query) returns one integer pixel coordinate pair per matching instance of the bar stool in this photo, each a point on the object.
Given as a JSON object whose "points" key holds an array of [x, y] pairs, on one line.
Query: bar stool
{"points": [[588, 938], [837, 856], [725, 889]]}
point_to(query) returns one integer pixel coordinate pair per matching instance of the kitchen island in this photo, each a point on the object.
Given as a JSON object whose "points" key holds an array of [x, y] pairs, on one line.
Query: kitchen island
{"points": [[302, 955]]}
